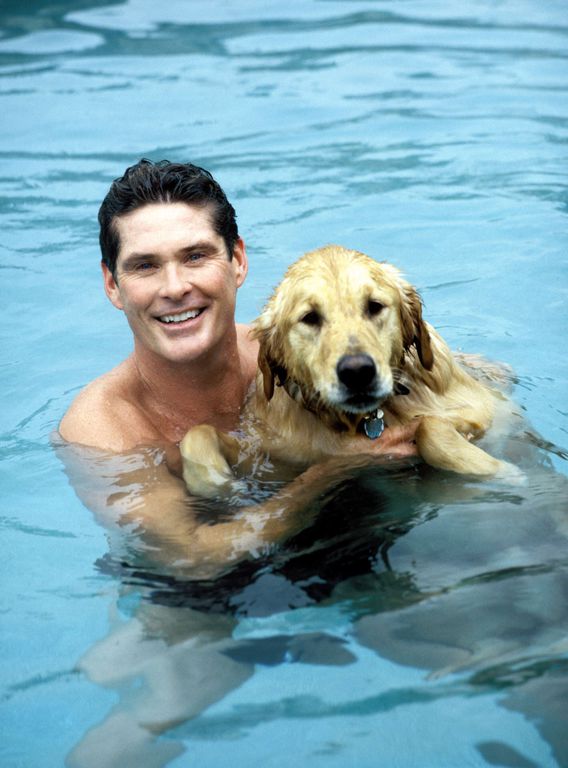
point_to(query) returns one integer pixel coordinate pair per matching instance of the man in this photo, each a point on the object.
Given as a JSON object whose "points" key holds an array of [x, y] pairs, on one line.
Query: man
{"points": [[172, 261]]}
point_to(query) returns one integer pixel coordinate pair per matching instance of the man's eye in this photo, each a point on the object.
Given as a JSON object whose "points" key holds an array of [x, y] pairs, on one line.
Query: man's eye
{"points": [[193, 257], [144, 266]]}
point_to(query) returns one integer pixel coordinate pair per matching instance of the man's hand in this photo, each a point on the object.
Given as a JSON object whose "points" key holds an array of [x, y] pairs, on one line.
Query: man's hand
{"points": [[397, 441]]}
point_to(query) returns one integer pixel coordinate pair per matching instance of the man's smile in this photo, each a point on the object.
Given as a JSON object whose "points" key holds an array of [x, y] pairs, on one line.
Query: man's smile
{"points": [[180, 317]]}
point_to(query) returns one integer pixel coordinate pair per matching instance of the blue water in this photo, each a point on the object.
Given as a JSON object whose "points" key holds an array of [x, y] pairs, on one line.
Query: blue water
{"points": [[433, 135]]}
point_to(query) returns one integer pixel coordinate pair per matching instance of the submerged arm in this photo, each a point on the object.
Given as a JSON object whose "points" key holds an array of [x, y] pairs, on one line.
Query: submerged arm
{"points": [[137, 491]]}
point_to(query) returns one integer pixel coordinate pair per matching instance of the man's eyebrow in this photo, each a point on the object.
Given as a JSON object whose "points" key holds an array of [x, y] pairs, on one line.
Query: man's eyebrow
{"points": [[135, 258], [202, 245]]}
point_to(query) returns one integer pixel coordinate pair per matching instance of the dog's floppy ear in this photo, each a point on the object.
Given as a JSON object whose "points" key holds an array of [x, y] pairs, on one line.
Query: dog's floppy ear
{"points": [[269, 353], [265, 364], [414, 330]]}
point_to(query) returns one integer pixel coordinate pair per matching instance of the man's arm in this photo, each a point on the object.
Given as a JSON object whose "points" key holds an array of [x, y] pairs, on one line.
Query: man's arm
{"points": [[135, 487], [136, 490]]}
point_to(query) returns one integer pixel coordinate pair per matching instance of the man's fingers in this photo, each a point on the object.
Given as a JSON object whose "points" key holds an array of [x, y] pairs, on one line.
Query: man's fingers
{"points": [[407, 433], [399, 441]]}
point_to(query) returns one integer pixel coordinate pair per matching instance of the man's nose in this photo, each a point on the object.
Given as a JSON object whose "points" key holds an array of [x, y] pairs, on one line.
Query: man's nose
{"points": [[175, 281]]}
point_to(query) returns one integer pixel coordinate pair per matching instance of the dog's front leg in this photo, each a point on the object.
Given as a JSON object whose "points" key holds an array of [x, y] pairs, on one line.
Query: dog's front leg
{"points": [[442, 446], [207, 455]]}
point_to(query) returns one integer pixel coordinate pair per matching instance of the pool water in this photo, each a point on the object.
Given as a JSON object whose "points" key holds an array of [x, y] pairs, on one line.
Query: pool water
{"points": [[423, 619]]}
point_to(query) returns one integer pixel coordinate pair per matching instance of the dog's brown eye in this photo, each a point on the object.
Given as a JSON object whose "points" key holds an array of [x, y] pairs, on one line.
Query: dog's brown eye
{"points": [[374, 307], [311, 318]]}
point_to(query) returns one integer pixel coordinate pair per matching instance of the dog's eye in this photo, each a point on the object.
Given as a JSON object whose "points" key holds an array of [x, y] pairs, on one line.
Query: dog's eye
{"points": [[311, 318], [374, 307]]}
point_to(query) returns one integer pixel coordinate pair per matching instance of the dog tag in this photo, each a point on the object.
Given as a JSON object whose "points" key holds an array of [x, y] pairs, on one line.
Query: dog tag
{"points": [[374, 425]]}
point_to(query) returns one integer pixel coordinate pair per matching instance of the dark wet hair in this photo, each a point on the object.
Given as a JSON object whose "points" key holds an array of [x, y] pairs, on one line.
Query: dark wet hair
{"points": [[163, 182]]}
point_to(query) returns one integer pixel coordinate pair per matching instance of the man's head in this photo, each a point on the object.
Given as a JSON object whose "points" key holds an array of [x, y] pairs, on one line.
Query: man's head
{"points": [[163, 182]]}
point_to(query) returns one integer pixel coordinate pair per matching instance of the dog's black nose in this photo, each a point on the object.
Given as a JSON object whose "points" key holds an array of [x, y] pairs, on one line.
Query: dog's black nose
{"points": [[356, 371]]}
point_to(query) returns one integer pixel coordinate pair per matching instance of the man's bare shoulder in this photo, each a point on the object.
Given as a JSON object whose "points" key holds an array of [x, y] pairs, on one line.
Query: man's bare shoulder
{"points": [[102, 416], [248, 348]]}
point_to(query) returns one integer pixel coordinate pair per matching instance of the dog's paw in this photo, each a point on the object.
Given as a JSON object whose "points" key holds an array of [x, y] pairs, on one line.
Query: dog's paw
{"points": [[510, 474], [207, 482], [205, 469]]}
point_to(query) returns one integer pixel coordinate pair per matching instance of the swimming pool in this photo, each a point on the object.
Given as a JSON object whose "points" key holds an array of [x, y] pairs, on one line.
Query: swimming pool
{"points": [[425, 623]]}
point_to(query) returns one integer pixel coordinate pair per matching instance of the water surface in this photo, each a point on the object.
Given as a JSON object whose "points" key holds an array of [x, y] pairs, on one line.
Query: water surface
{"points": [[423, 621]]}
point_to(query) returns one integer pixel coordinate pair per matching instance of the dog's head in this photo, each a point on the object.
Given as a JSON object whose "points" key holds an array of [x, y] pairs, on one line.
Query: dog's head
{"points": [[337, 326]]}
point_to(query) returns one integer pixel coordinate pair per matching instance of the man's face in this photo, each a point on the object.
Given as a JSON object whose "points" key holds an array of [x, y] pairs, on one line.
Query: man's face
{"points": [[174, 280]]}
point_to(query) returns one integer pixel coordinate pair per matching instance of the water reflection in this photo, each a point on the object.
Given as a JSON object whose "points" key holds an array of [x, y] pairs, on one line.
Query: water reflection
{"points": [[468, 582]]}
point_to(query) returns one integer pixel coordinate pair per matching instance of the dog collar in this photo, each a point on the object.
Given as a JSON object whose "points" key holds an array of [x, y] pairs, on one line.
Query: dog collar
{"points": [[373, 425]]}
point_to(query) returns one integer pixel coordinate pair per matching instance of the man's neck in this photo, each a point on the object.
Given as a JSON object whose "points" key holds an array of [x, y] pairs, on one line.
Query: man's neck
{"points": [[176, 396]]}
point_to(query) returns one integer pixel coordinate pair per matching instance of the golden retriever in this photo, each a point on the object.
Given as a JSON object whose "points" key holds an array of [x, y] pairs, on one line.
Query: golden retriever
{"points": [[343, 350]]}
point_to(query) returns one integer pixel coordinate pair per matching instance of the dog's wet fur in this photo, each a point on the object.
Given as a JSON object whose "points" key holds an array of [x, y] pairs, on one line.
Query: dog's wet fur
{"points": [[341, 336]]}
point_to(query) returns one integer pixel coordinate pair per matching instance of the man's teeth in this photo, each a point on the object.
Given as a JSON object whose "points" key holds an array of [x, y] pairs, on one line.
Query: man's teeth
{"points": [[181, 317]]}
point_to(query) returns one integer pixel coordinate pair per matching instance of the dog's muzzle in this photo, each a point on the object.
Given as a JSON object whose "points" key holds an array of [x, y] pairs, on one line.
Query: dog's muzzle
{"points": [[363, 388], [356, 372]]}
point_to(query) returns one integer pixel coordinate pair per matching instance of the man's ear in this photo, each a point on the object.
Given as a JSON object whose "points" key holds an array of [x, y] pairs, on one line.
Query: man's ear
{"points": [[240, 261], [111, 287]]}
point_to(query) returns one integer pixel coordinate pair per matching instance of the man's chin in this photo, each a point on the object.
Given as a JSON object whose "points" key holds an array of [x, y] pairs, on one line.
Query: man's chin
{"points": [[187, 352]]}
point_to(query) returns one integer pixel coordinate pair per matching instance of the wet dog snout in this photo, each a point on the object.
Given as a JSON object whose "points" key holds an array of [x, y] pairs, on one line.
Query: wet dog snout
{"points": [[356, 372]]}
